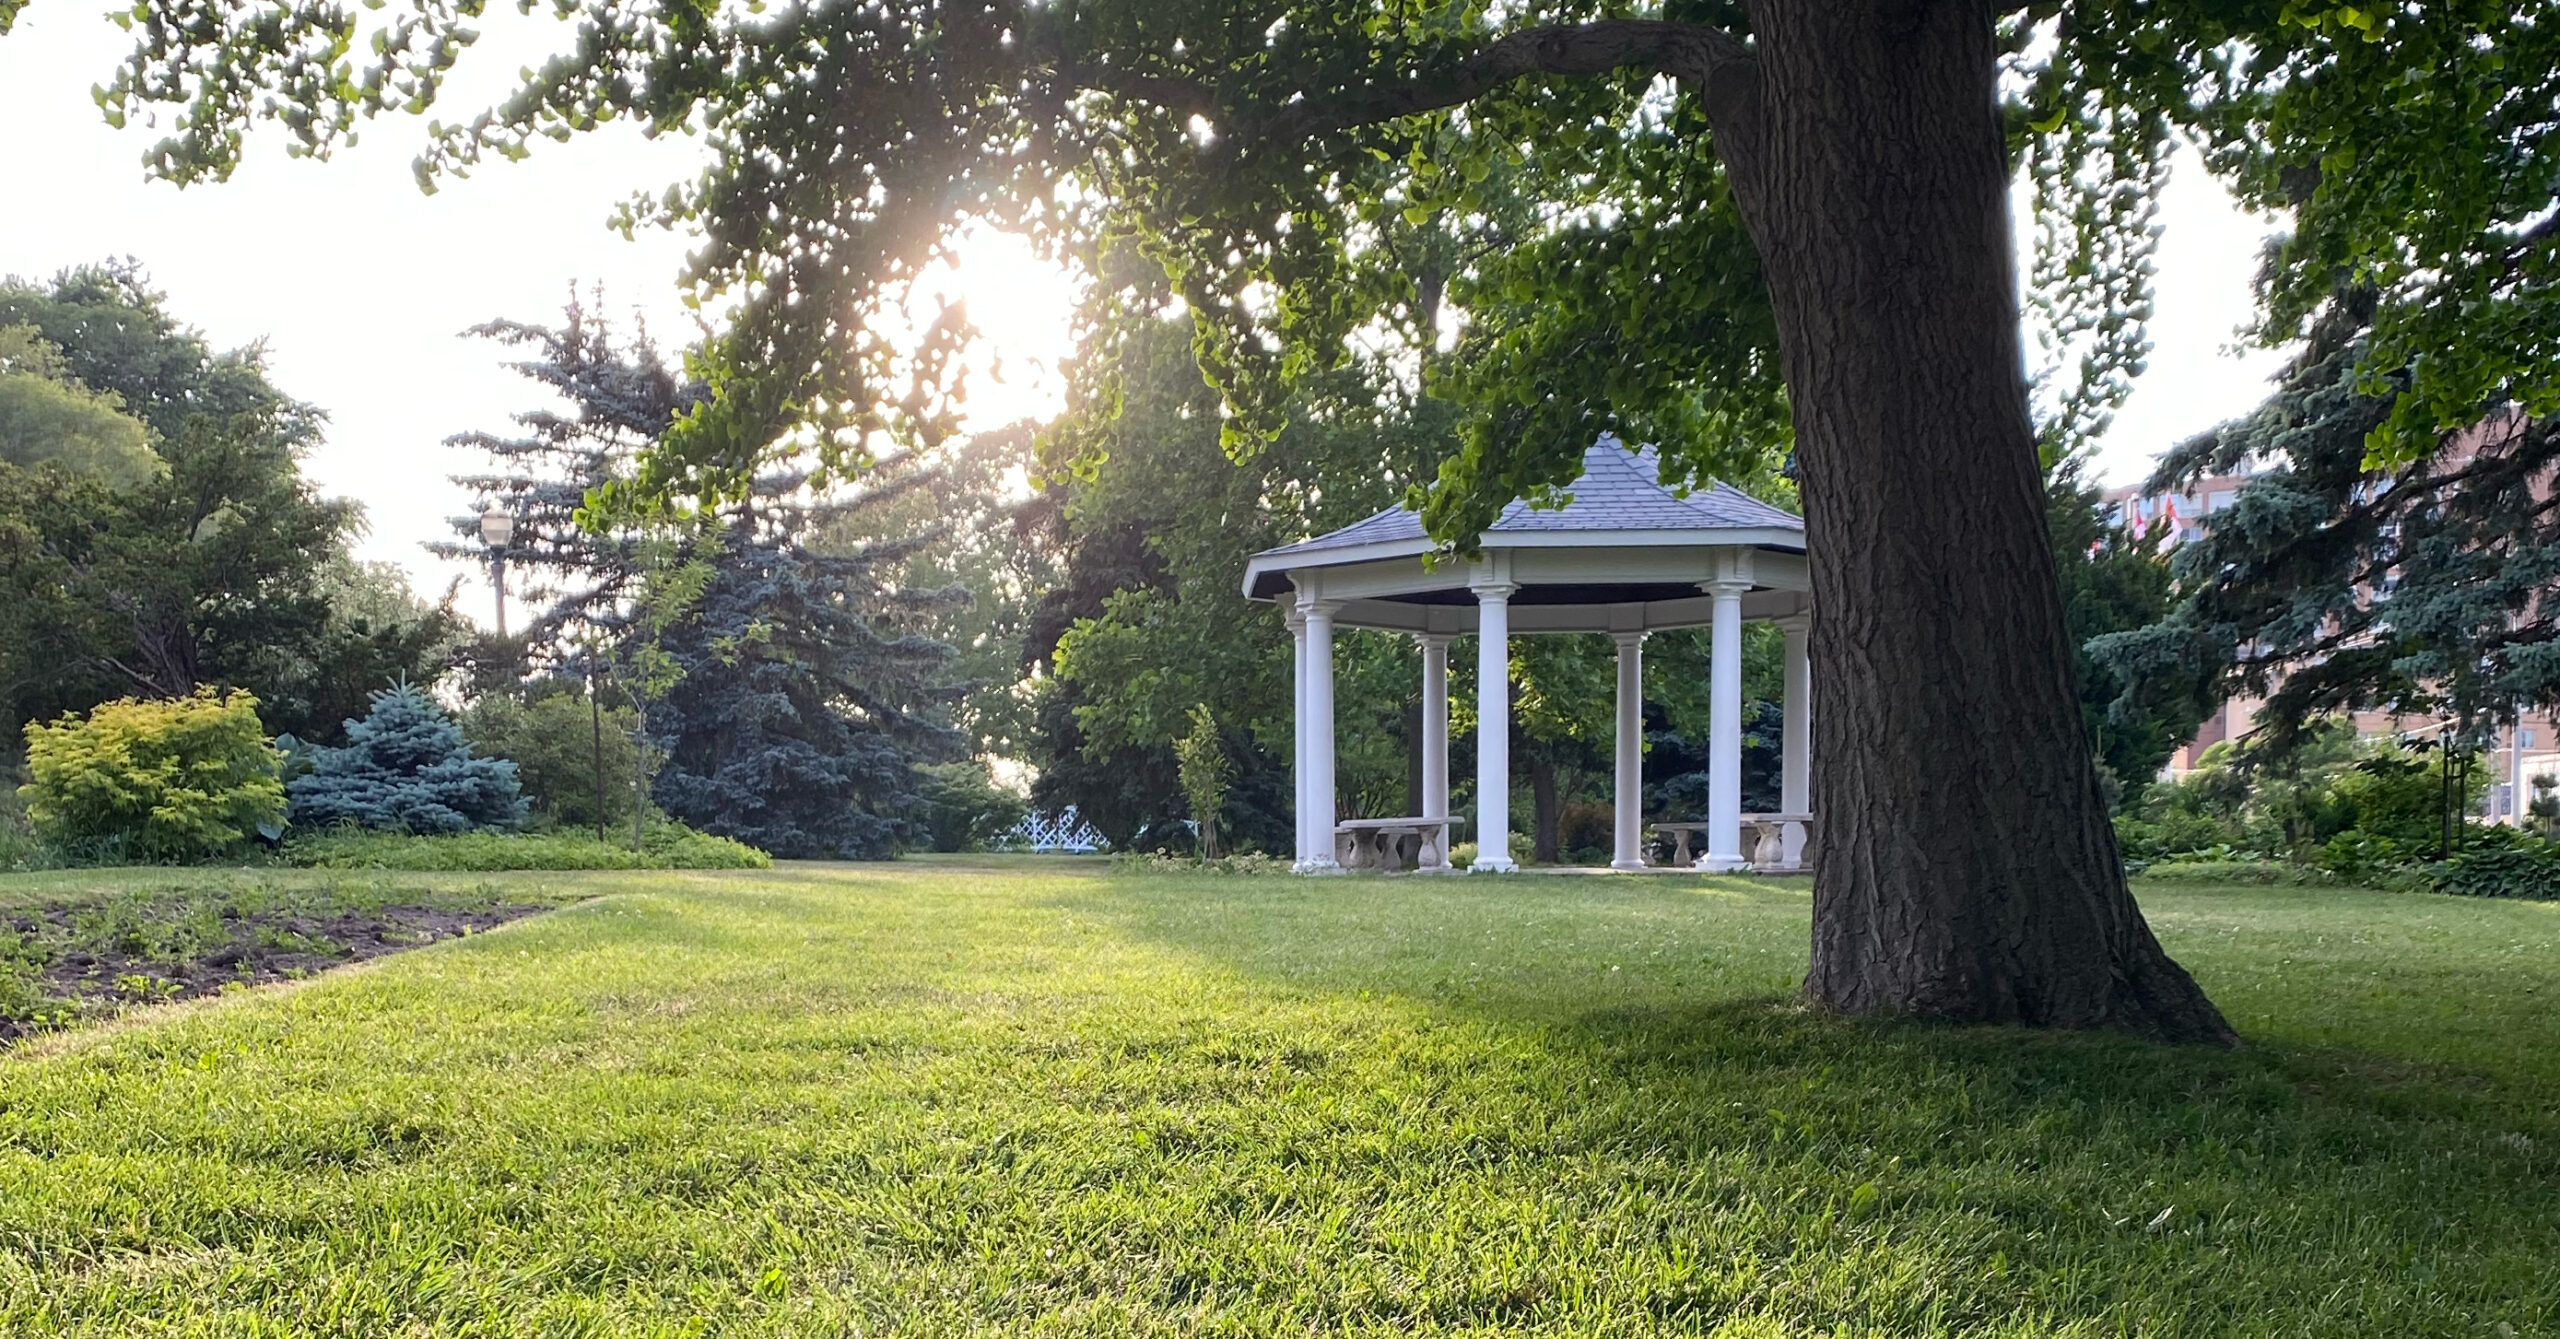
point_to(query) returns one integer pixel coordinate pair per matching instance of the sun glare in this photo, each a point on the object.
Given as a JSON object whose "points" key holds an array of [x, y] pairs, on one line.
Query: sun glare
{"points": [[1024, 308]]}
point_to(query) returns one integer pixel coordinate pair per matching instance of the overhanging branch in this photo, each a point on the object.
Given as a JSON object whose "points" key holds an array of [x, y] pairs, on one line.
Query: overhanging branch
{"points": [[1720, 67]]}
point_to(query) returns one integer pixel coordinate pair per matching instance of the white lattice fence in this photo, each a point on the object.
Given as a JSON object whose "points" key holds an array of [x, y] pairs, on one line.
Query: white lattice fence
{"points": [[1064, 830]]}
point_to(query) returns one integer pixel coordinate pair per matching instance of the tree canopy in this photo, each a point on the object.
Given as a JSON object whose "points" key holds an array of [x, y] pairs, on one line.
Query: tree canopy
{"points": [[184, 547], [2330, 587], [1305, 172], [788, 687], [47, 417]]}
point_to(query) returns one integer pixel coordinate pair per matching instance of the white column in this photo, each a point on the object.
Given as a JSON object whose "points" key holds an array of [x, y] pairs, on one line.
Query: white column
{"points": [[1630, 752], [1493, 729], [2515, 769], [1795, 761], [1320, 792], [1724, 735], [1435, 725], [1298, 722]]}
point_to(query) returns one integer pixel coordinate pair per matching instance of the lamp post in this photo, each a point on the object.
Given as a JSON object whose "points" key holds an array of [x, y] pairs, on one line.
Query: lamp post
{"points": [[497, 530]]}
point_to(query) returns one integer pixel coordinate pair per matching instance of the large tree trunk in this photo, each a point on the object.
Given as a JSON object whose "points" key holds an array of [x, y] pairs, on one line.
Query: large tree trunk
{"points": [[1968, 870]]}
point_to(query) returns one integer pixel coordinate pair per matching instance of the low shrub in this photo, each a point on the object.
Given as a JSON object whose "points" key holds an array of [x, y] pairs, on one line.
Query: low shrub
{"points": [[2264, 873], [1250, 864], [407, 768], [2528, 868], [20, 848], [2169, 832], [554, 739], [174, 779], [663, 845], [965, 810], [2359, 856], [1582, 829]]}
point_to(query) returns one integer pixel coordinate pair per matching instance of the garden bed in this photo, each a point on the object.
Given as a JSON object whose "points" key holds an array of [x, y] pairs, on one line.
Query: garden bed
{"points": [[83, 950]]}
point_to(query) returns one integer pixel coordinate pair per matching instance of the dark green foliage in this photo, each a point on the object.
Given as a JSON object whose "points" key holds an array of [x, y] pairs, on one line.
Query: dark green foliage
{"points": [[798, 724], [800, 694], [553, 736], [376, 631], [1144, 623], [571, 580], [999, 545], [663, 845], [406, 768], [962, 809], [225, 568], [2329, 586], [2111, 583], [1676, 763], [2362, 810], [2528, 869], [2411, 145]]}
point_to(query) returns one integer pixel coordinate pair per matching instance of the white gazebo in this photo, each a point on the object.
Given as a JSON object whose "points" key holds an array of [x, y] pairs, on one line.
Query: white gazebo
{"points": [[1624, 556]]}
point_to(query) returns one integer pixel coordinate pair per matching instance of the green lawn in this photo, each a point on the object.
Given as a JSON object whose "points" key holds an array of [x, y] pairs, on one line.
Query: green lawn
{"points": [[1019, 1096]]}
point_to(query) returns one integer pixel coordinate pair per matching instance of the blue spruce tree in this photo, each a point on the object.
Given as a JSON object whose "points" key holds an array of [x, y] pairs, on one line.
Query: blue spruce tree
{"points": [[803, 713], [406, 767], [810, 691]]}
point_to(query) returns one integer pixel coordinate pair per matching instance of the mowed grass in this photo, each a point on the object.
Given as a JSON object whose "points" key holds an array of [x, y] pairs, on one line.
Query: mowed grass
{"points": [[1033, 1097]]}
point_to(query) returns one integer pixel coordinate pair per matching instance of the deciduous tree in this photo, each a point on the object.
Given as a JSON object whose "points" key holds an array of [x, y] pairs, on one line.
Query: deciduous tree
{"points": [[215, 561]]}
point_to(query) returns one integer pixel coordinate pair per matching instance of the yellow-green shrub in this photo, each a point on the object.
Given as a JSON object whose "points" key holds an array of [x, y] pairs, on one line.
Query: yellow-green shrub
{"points": [[169, 779]]}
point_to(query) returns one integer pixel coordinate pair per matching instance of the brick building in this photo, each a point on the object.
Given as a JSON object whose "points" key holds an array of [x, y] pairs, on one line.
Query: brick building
{"points": [[2523, 750]]}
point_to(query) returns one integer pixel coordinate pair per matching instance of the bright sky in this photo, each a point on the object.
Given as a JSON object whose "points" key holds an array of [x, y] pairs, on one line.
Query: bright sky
{"points": [[360, 286]]}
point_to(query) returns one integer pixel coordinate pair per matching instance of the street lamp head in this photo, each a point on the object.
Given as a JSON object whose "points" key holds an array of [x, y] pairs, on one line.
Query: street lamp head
{"points": [[497, 528]]}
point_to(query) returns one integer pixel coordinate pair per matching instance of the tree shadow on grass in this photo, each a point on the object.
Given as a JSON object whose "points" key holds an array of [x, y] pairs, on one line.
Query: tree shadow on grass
{"points": [[1899, 1176]]}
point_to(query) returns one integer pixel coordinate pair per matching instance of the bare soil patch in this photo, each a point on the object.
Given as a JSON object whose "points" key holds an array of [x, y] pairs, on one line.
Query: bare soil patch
{"points": [[73, 956]]}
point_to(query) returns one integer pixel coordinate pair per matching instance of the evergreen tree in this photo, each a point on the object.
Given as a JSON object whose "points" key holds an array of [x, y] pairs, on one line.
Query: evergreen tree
{"points": [[799, 720], [2331, 585], [575, 579], [407, 767], [2113, 582], [787, 702]]}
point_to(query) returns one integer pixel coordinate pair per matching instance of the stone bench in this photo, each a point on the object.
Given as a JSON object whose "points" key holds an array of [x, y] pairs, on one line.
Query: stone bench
{"points": [[1681, 834], [1764, 842], [1769, 837], [1378, 843]]}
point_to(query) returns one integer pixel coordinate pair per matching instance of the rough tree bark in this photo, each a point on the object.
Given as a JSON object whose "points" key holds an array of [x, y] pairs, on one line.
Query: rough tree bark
{"points": [[1969, 870]]}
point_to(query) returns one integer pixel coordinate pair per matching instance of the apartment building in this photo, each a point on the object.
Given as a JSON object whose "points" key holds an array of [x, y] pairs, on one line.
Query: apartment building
{"points": [[2524, 749], [2185, 515]]}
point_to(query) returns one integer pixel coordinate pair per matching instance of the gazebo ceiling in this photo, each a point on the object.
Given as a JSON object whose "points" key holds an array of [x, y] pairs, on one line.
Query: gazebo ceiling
{"points": [[1623, 554]]}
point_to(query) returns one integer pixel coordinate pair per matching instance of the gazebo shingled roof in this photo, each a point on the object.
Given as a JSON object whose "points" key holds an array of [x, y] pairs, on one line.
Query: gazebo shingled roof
{"points": [[1619, 492]]}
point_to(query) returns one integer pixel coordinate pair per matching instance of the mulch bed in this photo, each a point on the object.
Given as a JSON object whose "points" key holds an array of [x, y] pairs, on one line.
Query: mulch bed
{"points": [[263, 947]]}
